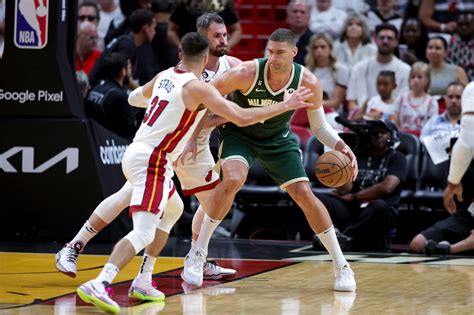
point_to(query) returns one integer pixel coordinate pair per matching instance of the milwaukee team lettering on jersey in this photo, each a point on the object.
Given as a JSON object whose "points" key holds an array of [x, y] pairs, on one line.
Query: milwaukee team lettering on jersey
{"points": [[260, 94]]}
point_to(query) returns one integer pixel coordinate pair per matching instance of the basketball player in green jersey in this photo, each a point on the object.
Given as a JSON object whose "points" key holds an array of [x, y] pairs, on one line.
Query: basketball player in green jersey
{"points": [[263, 82]]}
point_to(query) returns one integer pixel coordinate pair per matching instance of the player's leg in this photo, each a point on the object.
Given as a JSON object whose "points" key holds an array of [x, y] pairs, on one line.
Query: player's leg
{"points": [[287, 170], [95, 290], [211, 271], [464, 245], [104, 213], [222, 197], [143, 288]]}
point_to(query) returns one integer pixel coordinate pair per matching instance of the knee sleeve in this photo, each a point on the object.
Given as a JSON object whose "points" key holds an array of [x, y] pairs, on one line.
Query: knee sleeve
{"points": [[172, 213], [111, 206], [143, 233]]}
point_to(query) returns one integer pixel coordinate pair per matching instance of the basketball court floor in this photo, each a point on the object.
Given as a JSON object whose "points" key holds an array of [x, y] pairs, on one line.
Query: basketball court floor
{"points": [[274, 277]]}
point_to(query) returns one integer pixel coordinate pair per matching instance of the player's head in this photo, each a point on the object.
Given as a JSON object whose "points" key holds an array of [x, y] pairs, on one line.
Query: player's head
{"points": [[281, 49], [213, 27], [195, 48]]}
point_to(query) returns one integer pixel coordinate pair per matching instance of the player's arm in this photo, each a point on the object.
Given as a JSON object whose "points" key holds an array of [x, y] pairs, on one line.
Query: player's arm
{"points": [[140, 97], [197, 92], [318, 124], [239, 78]]}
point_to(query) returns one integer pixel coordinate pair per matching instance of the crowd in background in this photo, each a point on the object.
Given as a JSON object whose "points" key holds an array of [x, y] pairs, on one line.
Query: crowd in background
{"points": [[406, 61]]}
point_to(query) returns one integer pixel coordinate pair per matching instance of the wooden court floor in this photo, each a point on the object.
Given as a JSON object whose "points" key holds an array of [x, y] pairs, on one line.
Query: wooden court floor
{"points": [[298, 283]]}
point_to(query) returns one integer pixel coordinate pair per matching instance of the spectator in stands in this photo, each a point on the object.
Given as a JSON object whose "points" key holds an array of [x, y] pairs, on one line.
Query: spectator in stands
{"points": [[458, 228], [82, 83], [184, 16], [366, 209], [136, 46], [332, 75], [413, 41], [324, 17], [353, 6], [88, 11], [415, 107], [109, 13], [383, 105], [107, 102], [127, 7], [384, 12], [442, 73], [461, 46], [362, 83], [165, 53], [440, 15], [354, 43], [449, 120], [86, 47], [297, 17]]}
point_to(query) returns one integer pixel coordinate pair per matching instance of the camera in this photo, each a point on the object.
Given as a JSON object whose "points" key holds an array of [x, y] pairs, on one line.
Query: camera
{"points": [[360, 140]]}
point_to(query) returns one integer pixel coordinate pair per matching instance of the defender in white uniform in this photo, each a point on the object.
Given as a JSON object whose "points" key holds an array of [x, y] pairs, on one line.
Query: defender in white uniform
{"points": [[176, 107], [196, 177]]}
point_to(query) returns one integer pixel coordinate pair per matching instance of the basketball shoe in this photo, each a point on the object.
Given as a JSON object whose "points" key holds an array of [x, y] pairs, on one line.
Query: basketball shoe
{"points": [[97, 294], [145, 291], [193, 266], [345, 280], [66, 258], [212, 271]]}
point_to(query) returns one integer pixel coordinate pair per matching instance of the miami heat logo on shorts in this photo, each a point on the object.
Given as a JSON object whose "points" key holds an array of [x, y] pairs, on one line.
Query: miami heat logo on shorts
{"points": [[31, 24]]}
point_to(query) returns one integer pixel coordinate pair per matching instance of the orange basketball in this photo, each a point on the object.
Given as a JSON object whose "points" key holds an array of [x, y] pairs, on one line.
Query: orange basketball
{"points": [[333, 169]]}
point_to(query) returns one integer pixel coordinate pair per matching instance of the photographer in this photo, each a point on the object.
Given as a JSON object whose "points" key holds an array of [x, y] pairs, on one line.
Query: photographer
{"points": [[366, 209]]}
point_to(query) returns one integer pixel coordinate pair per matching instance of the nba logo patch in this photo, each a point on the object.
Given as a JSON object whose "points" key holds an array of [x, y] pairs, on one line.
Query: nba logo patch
{"points": [[31, 24]]}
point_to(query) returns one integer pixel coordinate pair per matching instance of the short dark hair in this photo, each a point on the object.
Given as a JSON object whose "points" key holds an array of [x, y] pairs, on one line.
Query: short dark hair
{"points": [[139, 18], [283, 35], [194, 44], [386, 26], [91, 4], [113, 64], [442, 39], [387, 73], [205, 20]]}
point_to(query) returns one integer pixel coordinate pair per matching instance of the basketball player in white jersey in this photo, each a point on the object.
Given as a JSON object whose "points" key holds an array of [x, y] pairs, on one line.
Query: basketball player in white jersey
{"points": [[196, 177], [178, 102]]}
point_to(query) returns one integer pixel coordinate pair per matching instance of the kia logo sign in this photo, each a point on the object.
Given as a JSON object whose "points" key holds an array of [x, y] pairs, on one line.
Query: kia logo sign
{"points": [[71, 155]]}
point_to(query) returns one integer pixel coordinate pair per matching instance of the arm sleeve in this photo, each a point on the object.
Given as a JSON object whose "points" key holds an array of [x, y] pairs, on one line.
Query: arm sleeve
{"points": [[137, 99], [321, 129], [463, 150]]}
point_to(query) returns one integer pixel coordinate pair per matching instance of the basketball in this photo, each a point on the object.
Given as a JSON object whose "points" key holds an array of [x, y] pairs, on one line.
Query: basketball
{"points": [[333, 169]]}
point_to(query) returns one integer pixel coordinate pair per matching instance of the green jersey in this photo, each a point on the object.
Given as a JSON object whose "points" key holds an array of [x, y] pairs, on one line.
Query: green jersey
{"points": [[260, 94]]}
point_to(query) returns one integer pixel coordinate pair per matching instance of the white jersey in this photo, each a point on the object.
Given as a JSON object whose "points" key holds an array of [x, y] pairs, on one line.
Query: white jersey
{"points": [[208, 76], [168, 124]]}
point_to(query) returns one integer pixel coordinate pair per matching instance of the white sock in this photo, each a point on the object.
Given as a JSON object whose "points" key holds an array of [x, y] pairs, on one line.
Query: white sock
{"points": [[85, 234], [108, 273], [208, 227], [146, 269], [329, 240]]}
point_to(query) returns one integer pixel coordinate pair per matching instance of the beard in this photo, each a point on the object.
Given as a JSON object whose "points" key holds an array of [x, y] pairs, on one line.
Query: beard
{"points": [[219, 51], [385, 51]]}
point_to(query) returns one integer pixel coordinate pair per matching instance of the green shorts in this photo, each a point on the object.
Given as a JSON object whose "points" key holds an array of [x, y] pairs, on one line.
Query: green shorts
{"points": [[280, 156]]}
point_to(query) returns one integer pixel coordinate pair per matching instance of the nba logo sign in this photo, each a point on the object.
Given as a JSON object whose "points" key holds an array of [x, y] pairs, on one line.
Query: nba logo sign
{"points": [[31, 24]]}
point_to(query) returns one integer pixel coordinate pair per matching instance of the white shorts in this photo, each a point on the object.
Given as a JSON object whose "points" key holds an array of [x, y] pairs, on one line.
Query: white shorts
{"points": [[149, 171], [199, 175]]}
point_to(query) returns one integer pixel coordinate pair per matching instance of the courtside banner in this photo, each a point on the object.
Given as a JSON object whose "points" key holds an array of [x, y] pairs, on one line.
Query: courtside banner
{"points": [[109, 149], [37, 68], [48, 178]]}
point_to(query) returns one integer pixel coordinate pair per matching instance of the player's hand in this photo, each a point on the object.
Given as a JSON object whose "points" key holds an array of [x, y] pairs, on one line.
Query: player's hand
{"points": [[348, 152], [448, 196], [190, 147], [297, 99]]}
